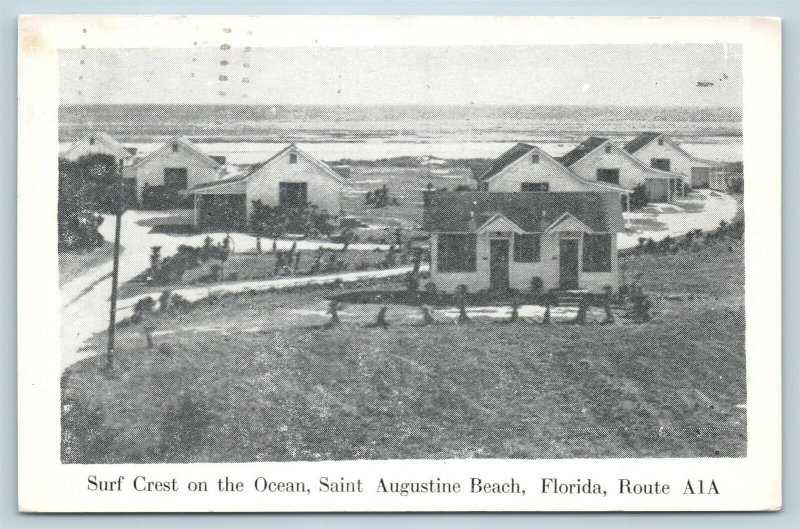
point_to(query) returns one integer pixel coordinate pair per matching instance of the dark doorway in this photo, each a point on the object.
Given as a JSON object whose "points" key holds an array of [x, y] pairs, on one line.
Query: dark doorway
{"points": [[292, 195], [498, 264], [176, 178], [608, 175], [568, 264], [221, 212], [660, 163]]}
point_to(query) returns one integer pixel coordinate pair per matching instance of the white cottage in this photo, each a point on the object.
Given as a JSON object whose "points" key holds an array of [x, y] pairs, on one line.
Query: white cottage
{"points": [[178, 165], [661, 152], [601, 160], [99, 143], [527, 168], [289, 179], [487, 240]]}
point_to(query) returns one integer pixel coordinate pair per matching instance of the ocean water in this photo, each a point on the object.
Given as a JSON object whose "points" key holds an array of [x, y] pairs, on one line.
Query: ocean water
{"points": [[370, 132]]}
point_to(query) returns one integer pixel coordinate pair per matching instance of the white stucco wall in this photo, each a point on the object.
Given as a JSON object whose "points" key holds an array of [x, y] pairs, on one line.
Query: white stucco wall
{"points": [[324, 190], [630, 173], [151, 170], [680, 162], [547, 170], [520, 274]]}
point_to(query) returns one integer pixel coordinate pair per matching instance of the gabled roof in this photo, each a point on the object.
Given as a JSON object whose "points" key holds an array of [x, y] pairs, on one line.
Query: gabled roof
{"points": [[579, 152], [294, 148], [106, 140], [641, 141], [646, 138], [587, 146], [258, 166], [214, 183], [498, 222], [571, 222], [255, 167], [515, 153], [467, 211], [507, 158], [187, 144]]}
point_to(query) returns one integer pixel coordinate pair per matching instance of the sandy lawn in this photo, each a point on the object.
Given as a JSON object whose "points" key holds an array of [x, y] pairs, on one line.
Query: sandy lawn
{"points": [[74, 264]]}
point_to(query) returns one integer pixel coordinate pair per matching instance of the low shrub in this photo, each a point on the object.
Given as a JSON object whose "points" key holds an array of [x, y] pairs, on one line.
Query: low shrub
{"points": [[180, 303], [639, 197], [143, 307], [163, 300]]}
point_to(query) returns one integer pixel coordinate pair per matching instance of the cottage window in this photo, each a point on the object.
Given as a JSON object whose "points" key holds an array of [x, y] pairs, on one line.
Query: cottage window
{"points": [[91, 141], [597, 252], [175, 147], [292, 158], [661, 141], [535, 158], [292, 195], [660, 163], [608, 149], [535, 187], [608, 175], [527, 247], [456, 252], [176, 178]]}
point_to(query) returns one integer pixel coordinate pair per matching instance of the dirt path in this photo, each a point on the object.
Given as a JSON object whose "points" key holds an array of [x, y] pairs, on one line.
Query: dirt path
{"points": [[678, 220], [84, 300]]}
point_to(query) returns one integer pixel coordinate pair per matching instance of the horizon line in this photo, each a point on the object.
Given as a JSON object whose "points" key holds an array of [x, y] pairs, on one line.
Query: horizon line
{"points": [[739, 107]]}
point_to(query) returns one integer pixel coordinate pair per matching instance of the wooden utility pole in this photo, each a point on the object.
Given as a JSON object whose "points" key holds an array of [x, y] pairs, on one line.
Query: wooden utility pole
{"points": [[112, 321]]}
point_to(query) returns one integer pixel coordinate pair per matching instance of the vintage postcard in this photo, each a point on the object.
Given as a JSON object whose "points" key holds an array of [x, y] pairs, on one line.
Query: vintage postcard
{"points": [[321, 263]]}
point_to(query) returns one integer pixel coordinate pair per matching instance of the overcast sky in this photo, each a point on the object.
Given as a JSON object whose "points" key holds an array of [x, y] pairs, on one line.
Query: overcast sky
{"points": [[578, 74]]}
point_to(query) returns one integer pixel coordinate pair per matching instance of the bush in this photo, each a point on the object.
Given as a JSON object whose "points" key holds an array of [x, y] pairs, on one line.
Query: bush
{"points": [[142, 307], [180, 303], [163, 300], [274, 221], [161, 198], [537, 285], [639, 197], [86, 187]]}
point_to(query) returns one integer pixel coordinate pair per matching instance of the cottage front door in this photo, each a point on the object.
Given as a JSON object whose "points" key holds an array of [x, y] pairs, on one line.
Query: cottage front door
{"points": [[498, 264], [568, 264]]}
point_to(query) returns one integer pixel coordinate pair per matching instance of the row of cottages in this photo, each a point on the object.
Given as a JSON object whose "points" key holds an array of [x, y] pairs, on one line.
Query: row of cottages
{"points": [[499, 240], [100, 143], [601, 160], [661, 152], [528, 168], [289, 179]]}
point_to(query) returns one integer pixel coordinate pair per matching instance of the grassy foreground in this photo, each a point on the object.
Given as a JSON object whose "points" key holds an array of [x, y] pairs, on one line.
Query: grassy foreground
{"points": [[251, 378]]}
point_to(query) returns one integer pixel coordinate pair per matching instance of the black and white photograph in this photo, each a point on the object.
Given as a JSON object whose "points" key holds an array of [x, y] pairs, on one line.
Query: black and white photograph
{"points": [[342, 253]]}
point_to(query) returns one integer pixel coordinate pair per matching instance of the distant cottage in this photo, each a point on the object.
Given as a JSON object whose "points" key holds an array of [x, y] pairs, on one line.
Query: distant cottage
{"points": [[528, 168], [177, 166], [601, 160], [291, 178], [661, 152], [99, 143], [488, 240]]}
